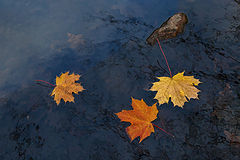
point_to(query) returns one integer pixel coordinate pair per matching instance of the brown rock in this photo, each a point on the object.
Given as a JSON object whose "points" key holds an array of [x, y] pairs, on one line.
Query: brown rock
{"points": [[169, 29]]}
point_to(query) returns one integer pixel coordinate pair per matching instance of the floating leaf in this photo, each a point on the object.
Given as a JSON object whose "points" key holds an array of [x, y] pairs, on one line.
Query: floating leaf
{"points": [[65, 86], [177, 88], [140, 118]]}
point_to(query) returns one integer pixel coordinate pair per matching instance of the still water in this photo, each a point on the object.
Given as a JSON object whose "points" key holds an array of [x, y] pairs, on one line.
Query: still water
{"points": [[104, 42]]}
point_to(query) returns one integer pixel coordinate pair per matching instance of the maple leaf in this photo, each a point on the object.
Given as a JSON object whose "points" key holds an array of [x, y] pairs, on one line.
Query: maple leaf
{"points": [[177, 88], [140, 118], [231, 137], [65, 86]]}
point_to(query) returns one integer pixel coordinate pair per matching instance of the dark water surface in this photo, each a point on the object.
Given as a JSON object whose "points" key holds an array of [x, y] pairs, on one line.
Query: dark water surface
{"points": [[104, 41]]}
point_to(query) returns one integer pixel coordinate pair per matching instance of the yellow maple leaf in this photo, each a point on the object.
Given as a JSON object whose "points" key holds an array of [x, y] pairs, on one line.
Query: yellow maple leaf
{"points": [[177, 88], [140, 118], [65, 86]]}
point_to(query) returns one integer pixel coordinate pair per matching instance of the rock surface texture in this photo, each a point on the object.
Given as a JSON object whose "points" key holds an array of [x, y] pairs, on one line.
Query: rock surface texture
{"points": [[169, 29]]}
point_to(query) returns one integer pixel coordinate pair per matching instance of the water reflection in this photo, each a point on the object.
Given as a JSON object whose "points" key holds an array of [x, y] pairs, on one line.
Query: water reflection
{"points": [[105, 43]]}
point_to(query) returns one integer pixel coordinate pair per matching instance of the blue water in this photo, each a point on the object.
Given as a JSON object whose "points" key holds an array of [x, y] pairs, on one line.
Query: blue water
{"points": [[104, 42]]}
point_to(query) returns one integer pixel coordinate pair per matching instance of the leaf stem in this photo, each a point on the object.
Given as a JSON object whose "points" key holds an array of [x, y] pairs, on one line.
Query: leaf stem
{"points": [[163, 130], [164, 57], [46, 82]]}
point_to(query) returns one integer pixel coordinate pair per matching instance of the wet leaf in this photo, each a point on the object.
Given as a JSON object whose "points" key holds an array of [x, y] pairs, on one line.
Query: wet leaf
{"points": [[140, 118], [231, 137], [65, 86], [75, 40], [177, 88]]}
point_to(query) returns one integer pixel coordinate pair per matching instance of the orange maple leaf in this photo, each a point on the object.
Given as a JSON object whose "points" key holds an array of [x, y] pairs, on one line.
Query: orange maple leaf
{"points": [[65, 86], [140, 118]]}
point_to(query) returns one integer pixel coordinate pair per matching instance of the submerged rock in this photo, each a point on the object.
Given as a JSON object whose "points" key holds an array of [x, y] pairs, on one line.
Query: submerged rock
{"points": [[169, 29]]}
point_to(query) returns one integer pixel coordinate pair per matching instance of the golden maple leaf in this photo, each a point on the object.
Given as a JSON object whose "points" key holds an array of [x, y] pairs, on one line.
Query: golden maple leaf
{"points": [[65, 86], [177, 88], [140, 118]]}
